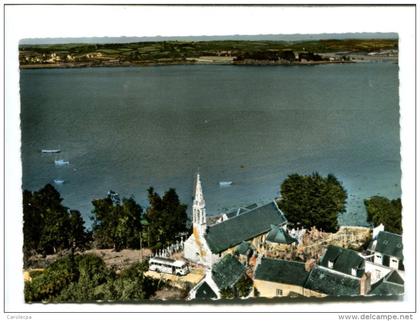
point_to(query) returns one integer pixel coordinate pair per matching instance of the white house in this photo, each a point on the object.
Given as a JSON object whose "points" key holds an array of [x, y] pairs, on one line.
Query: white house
{"points": [[386, 255]]}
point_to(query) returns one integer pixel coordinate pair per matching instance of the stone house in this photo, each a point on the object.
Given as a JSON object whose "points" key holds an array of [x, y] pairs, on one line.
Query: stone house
{"points": [[278, 278]]}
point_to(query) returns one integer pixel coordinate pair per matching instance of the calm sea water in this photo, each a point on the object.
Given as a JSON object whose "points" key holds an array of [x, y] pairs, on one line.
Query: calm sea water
{"points": [[126, 129]]}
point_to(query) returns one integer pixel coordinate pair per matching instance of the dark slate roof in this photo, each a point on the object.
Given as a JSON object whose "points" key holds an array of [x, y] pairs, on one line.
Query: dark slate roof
{"points": [[344, 260], [252, 206], [227, 271], [394, 277], [205, 292], [332, 283], [281, 271], [243, 248], [279, 235], [389, 244], [213, 219], [391, 284], [241, 210], [240, 228]]}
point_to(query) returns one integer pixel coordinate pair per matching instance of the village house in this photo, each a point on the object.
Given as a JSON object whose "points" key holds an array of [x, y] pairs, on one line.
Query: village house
{"points": [[223, 275], [208, 244], [327, 282], [391, 284], [343, 260], [277, 278], [386, 254]]}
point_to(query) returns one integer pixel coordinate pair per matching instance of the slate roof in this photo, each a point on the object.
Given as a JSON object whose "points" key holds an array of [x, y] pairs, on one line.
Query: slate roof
{"points": [[394, 277], [227, 271], [332, 283], [279, 235], [240, 228], [205, 292], [389, 244], [281, 271], [391, 284], [243, 248], [344, 260], [241, 210]]}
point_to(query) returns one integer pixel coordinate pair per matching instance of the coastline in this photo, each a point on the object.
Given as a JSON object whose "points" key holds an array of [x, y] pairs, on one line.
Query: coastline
{"points": [[166, 63]]}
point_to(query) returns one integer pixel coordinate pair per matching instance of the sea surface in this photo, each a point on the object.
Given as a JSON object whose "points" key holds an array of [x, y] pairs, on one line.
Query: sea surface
{"points": [[126, 129]]}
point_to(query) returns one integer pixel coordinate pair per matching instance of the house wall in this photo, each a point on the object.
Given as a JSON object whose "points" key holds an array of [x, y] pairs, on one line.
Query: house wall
{"points": [[311, 293], [377, 271], [269, 289]]}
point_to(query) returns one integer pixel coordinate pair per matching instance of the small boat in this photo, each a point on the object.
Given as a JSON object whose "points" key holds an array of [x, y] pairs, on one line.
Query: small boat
{"points": [[61, 162], [114, 196], [225, 183], [59, 181], [50, 151]]}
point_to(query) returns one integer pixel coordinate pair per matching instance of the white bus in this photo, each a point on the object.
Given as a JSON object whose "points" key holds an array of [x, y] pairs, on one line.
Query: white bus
{"points": [[165, 265]]}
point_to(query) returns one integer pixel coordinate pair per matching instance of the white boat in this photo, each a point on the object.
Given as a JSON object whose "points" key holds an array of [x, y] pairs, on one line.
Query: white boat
{"points": [[50, 150], [59, 181], [61, 162], [225, 183]]}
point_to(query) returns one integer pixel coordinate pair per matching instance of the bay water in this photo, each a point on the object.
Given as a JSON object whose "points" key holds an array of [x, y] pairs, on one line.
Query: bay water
{"points": [[128, 128]]}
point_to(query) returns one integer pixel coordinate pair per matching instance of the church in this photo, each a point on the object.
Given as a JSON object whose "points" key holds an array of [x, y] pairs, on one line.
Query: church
{"points": [[250, 226]]}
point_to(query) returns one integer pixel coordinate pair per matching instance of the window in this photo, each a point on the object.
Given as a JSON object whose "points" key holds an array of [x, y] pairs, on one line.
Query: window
{"points": [[279, 292], [394, 264]]}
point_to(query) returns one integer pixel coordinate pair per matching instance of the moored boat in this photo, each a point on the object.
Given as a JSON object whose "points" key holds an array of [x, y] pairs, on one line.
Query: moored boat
{"points": [[50, 150], [61, 162]]}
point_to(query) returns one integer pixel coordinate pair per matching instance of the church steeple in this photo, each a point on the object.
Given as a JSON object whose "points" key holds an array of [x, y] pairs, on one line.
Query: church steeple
{"points": [[199, 208]]}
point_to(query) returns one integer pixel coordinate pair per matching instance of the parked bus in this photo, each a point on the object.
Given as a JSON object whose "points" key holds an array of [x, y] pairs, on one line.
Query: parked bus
{"points": [[165, 265]]}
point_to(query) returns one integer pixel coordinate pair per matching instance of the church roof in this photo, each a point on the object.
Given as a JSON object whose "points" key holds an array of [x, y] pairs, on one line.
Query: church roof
{"points": [[344, 260], [279, 235], [240, 228], [332, 283], [389, 244], [227, 271], [282, 271]]}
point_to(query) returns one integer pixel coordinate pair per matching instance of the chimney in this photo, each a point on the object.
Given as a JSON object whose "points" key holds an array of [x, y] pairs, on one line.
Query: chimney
{"points": [[309, 265], [365, 283]]}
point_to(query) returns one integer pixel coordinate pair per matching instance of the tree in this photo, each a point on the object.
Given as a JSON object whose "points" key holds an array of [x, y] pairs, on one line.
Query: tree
{"points": [[78, 236], [48, 226], [117, 225], [382, 210], [167, 218], [313, 200]]}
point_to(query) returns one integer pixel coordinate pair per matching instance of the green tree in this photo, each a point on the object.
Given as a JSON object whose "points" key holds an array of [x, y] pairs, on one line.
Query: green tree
{"points": [[243, 287], [78, 236], [117, 225], [55, 278], [48, 226], [167, 218], [382, 210], [313, 200]]}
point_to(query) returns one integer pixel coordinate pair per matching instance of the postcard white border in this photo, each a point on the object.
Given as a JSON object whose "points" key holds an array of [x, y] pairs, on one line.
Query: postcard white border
{"points": [[82, 21]]}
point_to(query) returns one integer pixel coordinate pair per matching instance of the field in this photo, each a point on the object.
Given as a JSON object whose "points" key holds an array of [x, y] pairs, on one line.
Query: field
{"points": [[80, 55]]}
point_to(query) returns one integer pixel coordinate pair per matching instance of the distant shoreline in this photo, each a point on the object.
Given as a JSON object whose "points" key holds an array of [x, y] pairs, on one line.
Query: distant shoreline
{"points": [[256, 63]]}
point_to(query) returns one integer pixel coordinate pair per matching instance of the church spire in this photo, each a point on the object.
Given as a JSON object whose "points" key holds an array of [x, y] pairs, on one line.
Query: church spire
{"points": [[199, 207]]}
